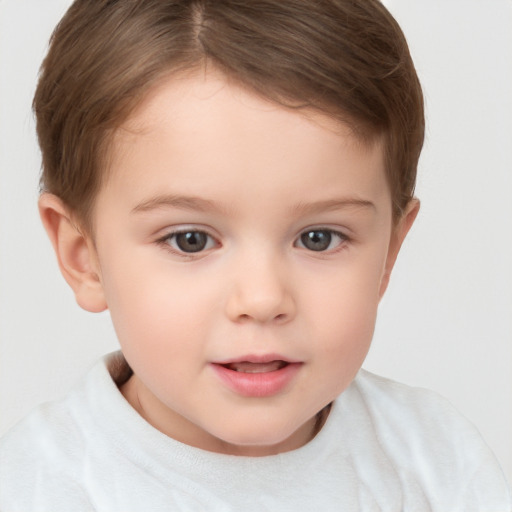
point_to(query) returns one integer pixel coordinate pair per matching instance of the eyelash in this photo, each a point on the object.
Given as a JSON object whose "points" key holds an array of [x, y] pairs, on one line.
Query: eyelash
{"points": [[211, 242]]}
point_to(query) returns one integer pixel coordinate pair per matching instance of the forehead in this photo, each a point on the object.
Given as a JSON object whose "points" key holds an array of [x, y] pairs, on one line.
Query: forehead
{"points": [[190, 97], [199, 132]]}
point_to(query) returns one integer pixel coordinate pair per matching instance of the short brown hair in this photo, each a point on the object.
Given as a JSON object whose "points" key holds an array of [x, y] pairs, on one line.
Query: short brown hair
{"points": [[346, 58]]}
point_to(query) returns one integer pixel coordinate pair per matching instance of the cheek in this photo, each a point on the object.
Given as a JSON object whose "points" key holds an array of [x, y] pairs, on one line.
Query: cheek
{"points": [[348, 329], [344, 312], [150, 304], [347, 335], [156, 327], [348, 293]]}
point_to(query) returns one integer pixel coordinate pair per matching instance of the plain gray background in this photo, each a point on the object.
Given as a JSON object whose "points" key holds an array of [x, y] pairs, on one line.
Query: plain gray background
{"points": [[446, 320]]}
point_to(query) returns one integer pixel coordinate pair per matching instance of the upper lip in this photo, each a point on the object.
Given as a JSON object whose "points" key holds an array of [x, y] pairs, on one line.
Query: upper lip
{"points": [[257, 358]]}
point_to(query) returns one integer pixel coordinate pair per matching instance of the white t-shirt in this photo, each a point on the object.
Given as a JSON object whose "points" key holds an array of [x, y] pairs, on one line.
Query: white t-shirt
{"points": [[384, 447]]}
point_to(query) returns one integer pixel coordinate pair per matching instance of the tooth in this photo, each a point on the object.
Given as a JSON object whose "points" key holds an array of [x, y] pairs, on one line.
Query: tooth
{"points": [[248, 367]]}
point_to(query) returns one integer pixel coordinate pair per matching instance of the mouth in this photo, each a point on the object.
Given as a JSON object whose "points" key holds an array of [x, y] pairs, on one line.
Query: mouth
{"points": [[257, 376], [250, 367]]}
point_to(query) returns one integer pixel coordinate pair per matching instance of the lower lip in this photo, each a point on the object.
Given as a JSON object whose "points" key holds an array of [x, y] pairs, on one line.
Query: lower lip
{"points": [[257, 384]]}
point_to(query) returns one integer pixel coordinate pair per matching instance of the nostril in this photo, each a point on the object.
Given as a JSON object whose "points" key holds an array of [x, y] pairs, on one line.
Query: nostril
{"points": [[259, 307], [278, 318]]}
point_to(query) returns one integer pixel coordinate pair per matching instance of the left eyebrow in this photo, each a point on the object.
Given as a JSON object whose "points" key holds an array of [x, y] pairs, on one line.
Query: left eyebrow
{"points": [[334, 204], [176, 201]]}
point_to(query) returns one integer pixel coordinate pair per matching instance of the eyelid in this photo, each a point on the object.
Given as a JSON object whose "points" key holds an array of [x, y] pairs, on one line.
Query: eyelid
{"points": [[185, 228]]}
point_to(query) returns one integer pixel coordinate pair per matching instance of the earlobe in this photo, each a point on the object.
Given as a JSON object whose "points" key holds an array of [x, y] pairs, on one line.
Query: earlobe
{"points": [[397, 237], [75, 253]]}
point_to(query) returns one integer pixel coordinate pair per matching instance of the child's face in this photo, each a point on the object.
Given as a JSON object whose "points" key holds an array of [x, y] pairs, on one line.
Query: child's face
{"points": [[242, 250]]}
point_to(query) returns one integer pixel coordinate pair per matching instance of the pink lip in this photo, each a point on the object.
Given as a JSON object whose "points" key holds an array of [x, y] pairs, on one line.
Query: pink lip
{"points": [[257, 358], [264, 384]]}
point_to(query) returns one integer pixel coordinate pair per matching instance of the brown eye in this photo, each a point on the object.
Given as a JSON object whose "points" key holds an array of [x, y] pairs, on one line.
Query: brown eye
{"points": [[189, 241]]}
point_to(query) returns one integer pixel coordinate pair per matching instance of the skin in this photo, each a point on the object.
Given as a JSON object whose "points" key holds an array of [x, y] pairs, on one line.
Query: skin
{"points": [[202, 154]]}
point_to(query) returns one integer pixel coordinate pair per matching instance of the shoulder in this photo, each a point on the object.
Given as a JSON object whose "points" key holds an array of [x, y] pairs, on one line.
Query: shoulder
{"points": [[419, 416], [413, 411], [38, 461], [396, 402], [429, 442], [48, 430], [42, 457]]}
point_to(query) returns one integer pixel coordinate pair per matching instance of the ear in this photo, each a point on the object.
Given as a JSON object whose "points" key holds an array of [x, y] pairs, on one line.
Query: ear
{"points": [[398, 235], [75, 253]]}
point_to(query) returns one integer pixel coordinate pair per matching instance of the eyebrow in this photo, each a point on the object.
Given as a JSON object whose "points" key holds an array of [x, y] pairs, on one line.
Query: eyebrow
{"points": [[200, 204], [334, 204], [176, 201]]}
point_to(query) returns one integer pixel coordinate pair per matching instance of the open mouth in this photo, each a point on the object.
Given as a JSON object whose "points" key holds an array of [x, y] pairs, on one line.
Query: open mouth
{"points": [[249, 367], [257, 376]]}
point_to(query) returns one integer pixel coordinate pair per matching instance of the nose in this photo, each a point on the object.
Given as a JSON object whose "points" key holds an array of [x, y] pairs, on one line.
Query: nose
{"points": [[261, 291]]}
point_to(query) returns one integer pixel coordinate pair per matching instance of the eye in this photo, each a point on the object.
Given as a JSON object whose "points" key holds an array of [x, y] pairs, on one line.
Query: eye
{"points": [[321, 239], [190, 241]]}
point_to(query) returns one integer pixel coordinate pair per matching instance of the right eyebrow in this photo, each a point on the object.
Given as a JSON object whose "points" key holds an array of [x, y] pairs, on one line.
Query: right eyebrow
{"points": [[175, 201]]}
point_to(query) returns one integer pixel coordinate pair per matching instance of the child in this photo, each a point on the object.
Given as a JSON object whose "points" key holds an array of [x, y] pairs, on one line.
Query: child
{"points": [[233, 181]]}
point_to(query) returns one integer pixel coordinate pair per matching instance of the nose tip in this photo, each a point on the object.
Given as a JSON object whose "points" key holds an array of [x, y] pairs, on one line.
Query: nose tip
{"points": [[261, 313], [261, 295]]}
